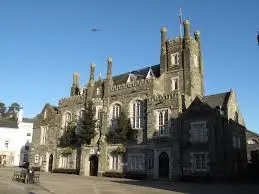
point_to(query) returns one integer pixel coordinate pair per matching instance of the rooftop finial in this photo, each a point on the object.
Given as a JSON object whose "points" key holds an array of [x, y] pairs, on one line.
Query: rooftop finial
{"points": [[181, 21], [100, 76]]}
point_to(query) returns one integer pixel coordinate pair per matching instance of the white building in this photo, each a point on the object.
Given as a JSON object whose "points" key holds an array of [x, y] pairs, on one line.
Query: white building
{"points": [[15, 140]]}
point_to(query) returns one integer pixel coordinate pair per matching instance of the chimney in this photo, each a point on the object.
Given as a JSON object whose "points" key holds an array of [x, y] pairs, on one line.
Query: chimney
{"points": [[109, 68], [75, 79], [75, 84], [163, 64]]}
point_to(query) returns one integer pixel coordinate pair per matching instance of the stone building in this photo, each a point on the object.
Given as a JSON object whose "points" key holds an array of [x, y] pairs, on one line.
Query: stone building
{"points": [[252, 146], [180, 131]]}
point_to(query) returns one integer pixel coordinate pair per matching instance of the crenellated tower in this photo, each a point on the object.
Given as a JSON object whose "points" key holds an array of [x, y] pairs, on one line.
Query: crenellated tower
{"points": [[75, 85], [181, 63]]}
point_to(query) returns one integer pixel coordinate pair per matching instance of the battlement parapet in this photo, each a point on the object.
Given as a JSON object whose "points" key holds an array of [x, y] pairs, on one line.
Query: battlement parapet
{"points": [[164, 97], [131, 84], [176, 40], [179, 41], [71, 99]]}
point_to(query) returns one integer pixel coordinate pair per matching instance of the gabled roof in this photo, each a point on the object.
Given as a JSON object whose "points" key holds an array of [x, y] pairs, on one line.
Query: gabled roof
{"points": [[140, 74], [8, 123], [131, 78], [215, 100], [150, 73]]}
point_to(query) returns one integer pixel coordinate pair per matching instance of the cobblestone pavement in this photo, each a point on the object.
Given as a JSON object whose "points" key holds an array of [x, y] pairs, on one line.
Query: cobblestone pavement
{"points": [[72, 184]]}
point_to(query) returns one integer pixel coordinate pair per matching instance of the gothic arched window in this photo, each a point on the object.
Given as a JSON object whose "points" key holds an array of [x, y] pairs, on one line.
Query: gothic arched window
{"points": [[137, 116], [67, 119], [163, 122], [116, 109], [81, 114]]}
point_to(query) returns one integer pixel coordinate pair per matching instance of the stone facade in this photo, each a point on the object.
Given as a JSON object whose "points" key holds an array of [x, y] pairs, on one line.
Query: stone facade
{"points": [[158, 100]]}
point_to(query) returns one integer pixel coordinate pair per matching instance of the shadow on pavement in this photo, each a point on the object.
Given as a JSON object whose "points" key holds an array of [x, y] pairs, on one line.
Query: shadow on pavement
{"points": [[194, 188]]}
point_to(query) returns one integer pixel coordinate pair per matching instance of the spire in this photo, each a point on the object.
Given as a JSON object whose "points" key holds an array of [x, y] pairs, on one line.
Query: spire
{"points": [[100, 76], [181, 21]]}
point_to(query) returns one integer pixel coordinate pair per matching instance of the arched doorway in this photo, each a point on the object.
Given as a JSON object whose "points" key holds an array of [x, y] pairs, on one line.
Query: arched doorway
{"points": [[50, 162], [163, 165], [93, 165]]}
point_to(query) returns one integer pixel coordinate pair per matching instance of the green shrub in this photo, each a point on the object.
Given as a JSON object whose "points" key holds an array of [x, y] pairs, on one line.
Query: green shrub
{"points": [[66, 171], [129, 175]]}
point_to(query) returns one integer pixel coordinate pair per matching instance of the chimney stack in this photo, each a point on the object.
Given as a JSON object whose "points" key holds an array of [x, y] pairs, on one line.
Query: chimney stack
{"points": [[75, 84], [163, 60], [109, 68]]}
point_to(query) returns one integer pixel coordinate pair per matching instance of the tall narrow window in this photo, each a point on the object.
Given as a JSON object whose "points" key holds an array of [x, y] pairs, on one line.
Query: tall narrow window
{"points": [[43, 136], [200, 161], [163, 122], [81, 114], [98, 118], [175, 59], [175, 83], [199, 132], [137, 120], [45, 114], [135, 162], [195, 60], [116, 109], [67, 119], [97, 91]]}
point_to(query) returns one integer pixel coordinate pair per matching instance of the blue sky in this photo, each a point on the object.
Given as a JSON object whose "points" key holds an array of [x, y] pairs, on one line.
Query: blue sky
{"points": [[43, 42]]}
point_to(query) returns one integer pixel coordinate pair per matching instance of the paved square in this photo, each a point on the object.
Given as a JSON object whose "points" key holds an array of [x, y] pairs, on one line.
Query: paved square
{"points": [[72, 184]]}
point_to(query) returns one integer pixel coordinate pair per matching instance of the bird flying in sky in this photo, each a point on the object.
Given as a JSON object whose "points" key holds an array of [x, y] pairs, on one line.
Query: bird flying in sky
{"points": [[95, 30]]}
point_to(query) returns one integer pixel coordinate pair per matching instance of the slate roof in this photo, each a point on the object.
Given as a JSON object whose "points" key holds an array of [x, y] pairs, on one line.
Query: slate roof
{"points": [[140, 74], [8, 123], [215, 100], [250, 134]]}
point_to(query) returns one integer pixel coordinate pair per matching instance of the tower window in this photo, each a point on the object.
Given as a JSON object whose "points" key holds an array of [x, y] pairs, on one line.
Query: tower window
{"points": [[175, 83], [163, 123], [97, 91], [137, 119], [116, 109], [175, 59], [67, 119]]}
